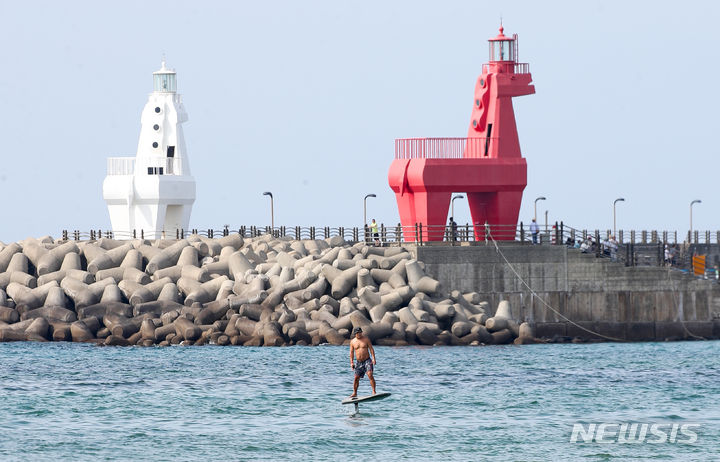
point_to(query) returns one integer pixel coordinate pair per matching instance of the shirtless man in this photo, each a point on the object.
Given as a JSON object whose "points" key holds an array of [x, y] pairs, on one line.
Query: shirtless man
{"points": [[361, 347]]}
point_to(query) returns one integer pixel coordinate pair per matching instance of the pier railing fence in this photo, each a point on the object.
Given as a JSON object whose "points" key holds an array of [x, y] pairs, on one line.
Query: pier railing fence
{"points": [[631, 247]]}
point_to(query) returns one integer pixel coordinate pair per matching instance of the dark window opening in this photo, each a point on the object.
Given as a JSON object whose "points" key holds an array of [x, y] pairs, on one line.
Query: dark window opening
{"points": [[171, 151], [157, 109], [155, 170], [487, 140], [155, 144], [156, 127]]}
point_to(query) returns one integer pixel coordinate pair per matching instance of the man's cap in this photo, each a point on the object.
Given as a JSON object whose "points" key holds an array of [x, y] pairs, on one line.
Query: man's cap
{"points": [[357, 329]]}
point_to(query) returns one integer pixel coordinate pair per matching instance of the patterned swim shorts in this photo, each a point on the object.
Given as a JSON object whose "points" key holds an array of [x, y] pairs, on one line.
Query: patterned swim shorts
{"points": [[363, 366]]}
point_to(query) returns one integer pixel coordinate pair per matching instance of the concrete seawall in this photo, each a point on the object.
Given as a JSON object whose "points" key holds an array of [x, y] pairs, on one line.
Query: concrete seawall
{"points": [[629, 303]]}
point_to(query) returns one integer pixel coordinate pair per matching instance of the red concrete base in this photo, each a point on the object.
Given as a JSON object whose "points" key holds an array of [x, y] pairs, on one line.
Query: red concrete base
{"points": [[423, 188]]}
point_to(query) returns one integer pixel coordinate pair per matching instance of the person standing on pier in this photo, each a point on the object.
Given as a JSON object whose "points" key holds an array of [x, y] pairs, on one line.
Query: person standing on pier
{"points": [[534, 230], [453, 230], [374, 232]]}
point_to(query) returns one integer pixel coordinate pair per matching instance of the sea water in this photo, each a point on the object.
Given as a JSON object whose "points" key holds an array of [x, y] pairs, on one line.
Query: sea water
{"points": [[62, 401]]}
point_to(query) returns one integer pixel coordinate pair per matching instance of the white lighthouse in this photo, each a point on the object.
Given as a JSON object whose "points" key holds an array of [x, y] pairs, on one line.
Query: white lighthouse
{"points": [[153, 191]]}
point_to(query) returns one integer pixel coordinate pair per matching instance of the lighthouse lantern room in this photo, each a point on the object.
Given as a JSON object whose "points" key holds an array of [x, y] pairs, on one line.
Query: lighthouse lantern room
{"points": [[153, 192]]}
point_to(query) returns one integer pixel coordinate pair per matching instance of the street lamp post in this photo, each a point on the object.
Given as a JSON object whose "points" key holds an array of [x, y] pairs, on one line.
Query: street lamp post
{"points": [[365, 209], [541, 198], [619, 199], [696, 201], [452, 205], [272, 210]]}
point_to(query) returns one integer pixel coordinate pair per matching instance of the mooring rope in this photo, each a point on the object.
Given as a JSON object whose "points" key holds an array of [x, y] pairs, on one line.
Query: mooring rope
{"points": [[534, 294]]}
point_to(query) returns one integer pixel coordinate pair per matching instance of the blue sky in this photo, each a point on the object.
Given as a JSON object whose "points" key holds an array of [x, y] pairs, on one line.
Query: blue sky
{"points": [[305, 99]]}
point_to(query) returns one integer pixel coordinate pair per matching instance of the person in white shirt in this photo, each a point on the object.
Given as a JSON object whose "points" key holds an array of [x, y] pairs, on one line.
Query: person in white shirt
{"points": [[534, 230], [613, 246]]}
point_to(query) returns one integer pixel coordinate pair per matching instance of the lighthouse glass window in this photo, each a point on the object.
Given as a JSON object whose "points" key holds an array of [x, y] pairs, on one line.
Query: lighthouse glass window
{"points": [[164, 82], [501, 50]]}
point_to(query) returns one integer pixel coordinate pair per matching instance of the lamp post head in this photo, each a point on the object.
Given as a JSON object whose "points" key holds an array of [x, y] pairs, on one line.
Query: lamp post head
{"points": [[459, 196], [267, 193], [696, 201], [541, 198], [370, 195], [619, 199]]}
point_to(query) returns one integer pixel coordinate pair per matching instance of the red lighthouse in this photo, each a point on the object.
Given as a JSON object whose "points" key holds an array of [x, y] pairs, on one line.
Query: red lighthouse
{"points": [[487, 165]]}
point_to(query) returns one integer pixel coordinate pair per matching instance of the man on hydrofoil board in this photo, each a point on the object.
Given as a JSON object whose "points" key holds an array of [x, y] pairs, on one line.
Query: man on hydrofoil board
{"points": [[361, 348]]}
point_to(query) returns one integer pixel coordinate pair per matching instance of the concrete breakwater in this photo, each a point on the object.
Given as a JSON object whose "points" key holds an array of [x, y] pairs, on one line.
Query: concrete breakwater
{"points": [[234, 290], [602, 296]]}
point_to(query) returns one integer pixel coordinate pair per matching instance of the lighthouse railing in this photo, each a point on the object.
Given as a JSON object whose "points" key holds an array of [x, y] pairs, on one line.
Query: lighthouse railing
{"points": [[518, 68], [441, 148], [522, 68], [145, 166], [120, 165], [159, 165]]}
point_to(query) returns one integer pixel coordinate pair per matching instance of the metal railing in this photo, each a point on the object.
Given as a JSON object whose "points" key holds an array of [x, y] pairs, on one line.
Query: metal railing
{"points": [[145, 166], [651, 236], [644, 248], [441, 148], [557, 233], [120, 165], [634, 248], [419, 234], [522, 68], [518, 68]]}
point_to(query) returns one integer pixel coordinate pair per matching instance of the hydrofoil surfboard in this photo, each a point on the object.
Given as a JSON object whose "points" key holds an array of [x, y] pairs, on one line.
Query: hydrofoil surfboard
{"points": [[360, 399]]}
